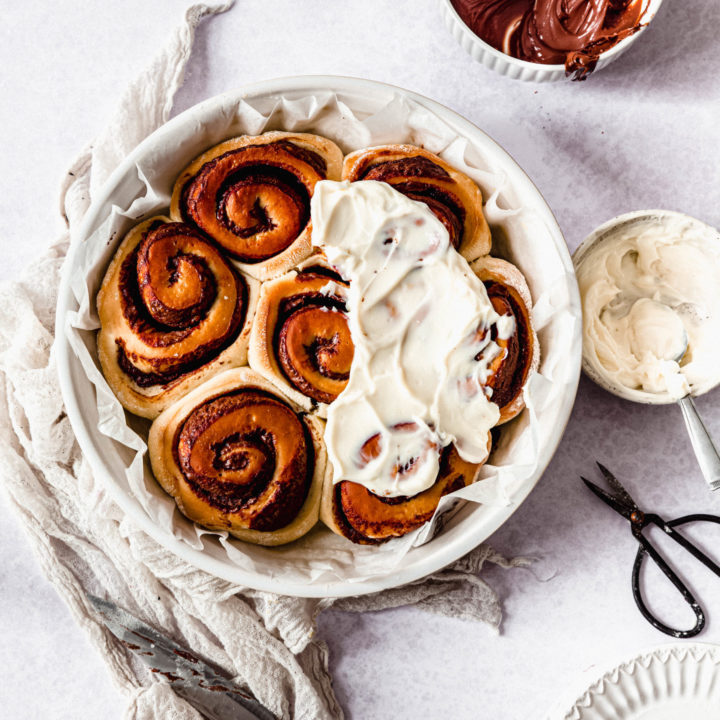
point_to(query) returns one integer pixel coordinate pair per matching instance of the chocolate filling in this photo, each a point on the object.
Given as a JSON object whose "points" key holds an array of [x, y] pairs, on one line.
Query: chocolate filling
{"points": [[508, 382], [158, 326], [417, 166], [254, 451], [317, 351], [294, 191], [313, 159], [313, 271]]}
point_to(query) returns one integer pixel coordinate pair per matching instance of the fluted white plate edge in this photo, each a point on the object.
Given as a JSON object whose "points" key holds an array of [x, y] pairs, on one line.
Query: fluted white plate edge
{"points": [[668, 682]]}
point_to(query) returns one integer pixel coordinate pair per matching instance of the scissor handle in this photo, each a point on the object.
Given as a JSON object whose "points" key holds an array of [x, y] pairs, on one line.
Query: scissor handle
{"points": [[647, 548]]}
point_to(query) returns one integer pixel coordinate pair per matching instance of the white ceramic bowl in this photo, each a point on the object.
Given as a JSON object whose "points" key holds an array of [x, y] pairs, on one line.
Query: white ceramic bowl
{"points": [[584, 253], [468, 527], [522, 69]]}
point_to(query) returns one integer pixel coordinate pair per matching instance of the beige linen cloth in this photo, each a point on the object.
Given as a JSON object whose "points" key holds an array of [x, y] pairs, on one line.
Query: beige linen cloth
{"points": [[83, 541]]}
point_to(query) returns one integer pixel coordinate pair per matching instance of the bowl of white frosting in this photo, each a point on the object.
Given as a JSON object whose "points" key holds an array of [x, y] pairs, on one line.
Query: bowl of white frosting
{"points": [[650, 288]]}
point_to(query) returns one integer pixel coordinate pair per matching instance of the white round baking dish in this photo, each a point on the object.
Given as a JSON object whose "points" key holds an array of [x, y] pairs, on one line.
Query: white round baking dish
{"points": [[468, 527], [511, 67]]}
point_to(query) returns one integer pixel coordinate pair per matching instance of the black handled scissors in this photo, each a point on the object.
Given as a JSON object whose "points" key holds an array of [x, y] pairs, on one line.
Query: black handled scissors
{"points": [[622, 502]]}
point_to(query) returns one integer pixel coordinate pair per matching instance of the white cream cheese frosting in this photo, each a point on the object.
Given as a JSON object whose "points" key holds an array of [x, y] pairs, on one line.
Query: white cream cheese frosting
{"points": [[651, 307], [420, 321]]}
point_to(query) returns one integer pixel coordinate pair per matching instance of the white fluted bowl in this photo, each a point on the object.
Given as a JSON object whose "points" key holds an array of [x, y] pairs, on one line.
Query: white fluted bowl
{"points": [[512, 67]]}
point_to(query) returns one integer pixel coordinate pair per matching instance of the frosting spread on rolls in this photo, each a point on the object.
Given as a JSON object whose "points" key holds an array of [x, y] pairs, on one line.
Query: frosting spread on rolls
{"points": [[368, 519], [452, 196], [651, 308], [510, 296], [445, 207], [425, 334], [574, 32]]}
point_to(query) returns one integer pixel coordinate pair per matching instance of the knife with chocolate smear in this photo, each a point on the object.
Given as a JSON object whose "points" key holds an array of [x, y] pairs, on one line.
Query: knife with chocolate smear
{"points": [[207, 689]]}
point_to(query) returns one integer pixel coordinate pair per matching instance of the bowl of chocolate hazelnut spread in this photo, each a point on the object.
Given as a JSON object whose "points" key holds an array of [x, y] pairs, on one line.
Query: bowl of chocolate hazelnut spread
{"points": [[542, 40]]}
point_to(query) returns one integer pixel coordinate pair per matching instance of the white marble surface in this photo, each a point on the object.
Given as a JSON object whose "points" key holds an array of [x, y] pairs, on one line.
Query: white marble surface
{"points": [[643, 133]]}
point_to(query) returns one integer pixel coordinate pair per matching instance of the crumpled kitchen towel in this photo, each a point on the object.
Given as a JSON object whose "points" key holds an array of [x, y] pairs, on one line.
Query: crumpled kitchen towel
{"points": [[83, 541]]}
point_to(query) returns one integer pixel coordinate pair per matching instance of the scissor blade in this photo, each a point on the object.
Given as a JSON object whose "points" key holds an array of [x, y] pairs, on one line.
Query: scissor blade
{"points": [[607, 498], [213, 694], [620, 492]]}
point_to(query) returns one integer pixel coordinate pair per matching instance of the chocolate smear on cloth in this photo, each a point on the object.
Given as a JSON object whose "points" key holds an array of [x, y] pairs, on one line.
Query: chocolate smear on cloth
{"points": [[573, 32]]}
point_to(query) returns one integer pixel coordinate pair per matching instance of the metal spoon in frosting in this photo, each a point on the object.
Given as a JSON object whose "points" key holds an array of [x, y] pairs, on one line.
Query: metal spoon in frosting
{"points": [[650, 287], [703, 445]]}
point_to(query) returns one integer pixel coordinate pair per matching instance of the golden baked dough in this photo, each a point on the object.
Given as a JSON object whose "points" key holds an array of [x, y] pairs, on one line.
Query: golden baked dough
{"points": [[351, 510], [300, 339], [238, 456], [421, 175], [252, 196], [173, 312]]}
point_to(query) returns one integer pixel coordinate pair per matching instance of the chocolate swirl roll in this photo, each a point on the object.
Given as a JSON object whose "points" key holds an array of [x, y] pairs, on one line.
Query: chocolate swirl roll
{"points": [[451, 195], [239, 457], [351, 510], [173, 311], [300, 338], [520, 353], [252, 196]]}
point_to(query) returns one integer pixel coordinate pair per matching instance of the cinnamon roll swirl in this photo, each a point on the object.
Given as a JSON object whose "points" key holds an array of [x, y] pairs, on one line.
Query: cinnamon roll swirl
{"points": [[237, 456], [173, 311], [300, 338], [252, 195], [421, 175], [509, 371], [351, 510]]}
